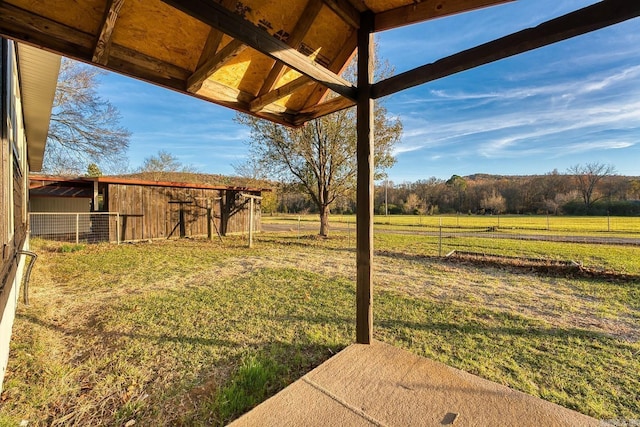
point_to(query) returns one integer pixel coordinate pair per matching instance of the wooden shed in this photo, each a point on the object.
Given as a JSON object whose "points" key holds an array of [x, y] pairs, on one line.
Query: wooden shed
{"points": [[138, 209]]}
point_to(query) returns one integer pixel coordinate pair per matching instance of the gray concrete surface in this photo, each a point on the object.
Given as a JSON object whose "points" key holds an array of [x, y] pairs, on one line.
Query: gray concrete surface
{"points": [[381, 385]]}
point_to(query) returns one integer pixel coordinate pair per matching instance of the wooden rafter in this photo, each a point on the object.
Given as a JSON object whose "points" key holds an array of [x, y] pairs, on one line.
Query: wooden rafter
{"points": [[335, 104], [103, 44], [297, 35], [345, 11], [426, 10], [337, 66], [238, 28], [279, 93], [213, 39], [231, 50], [590, 18], [148, 68], [20, 24], [239, 100]]}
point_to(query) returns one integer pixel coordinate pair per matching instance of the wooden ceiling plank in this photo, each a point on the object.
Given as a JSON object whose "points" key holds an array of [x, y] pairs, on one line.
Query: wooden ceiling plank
{"points": [[582, 21], [426, 10], [260, 102], [231, 50], [213, 39], [103, 43], [238, 28], [297, 35], [19, 24], [345, 11]]}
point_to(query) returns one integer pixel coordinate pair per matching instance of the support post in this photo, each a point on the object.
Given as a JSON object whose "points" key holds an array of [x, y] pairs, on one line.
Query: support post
{"points": [[95, 196], [251, 222], [252, 200], [209, 219], [118, 228], [183, 228], [365, 187]]}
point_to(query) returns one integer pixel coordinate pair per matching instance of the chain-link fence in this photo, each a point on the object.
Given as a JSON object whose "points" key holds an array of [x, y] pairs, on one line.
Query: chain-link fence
{"points": [[86, 227]]}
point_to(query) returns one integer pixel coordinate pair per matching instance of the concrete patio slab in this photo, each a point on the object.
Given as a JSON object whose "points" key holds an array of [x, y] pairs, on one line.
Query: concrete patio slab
{"points": [[381, 385]]}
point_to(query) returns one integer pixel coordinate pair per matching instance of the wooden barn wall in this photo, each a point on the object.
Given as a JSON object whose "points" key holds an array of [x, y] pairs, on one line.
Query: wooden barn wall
{"points": [[146, 212]]}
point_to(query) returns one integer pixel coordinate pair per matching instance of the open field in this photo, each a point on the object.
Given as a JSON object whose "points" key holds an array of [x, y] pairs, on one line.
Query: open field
{"points": [[539, 224], [190, 332]]}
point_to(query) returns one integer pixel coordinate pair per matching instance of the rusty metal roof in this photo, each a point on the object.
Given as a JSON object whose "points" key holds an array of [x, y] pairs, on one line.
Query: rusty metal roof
{"points": [[45, 184]]}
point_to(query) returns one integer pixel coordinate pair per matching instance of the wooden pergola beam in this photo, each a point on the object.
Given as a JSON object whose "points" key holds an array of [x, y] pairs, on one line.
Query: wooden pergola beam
{"points": [[335, 104], [590, 18], [20, 24], [238, 28], [214, 38], [365, 188], [211, 65], [279, 93], [337, 65], [103, 44], [426, 10], [345, 11], [297, 35]]}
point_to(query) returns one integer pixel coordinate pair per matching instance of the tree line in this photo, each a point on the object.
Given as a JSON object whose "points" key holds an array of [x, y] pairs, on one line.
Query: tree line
{"points": [[590, 189]]}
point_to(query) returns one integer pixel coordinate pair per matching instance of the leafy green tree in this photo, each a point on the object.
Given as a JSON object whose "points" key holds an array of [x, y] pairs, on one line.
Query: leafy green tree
{"points": [[459, 185], [93, 170]]}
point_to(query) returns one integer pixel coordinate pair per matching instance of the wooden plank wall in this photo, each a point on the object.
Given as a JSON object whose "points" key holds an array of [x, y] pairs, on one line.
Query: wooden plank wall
{"points": [[146, 212]]}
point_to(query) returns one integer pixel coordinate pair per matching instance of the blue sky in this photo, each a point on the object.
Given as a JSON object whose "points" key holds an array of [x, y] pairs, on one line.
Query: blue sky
{"points": [[574, 102]]}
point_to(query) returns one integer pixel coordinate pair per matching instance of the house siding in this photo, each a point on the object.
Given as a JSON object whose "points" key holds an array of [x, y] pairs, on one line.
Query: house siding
{"points": [[13, 209]]}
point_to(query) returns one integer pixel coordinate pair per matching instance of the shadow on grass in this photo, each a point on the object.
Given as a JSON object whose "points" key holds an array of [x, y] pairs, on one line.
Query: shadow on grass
{"points": [[226, 388]]}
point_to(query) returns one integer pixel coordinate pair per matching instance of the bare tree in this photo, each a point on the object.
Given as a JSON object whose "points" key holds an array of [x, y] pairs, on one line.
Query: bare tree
{"points": [[587, 178], [158, 167], [320, 156], [84, 128]]}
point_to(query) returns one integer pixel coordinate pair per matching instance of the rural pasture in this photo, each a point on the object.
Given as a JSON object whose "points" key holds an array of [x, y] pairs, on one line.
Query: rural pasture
{"points": [[195, 332]]}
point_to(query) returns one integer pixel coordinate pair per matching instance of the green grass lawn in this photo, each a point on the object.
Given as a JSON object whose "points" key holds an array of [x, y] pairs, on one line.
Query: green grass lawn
{"points": [[580, 225], [190, 332]]}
